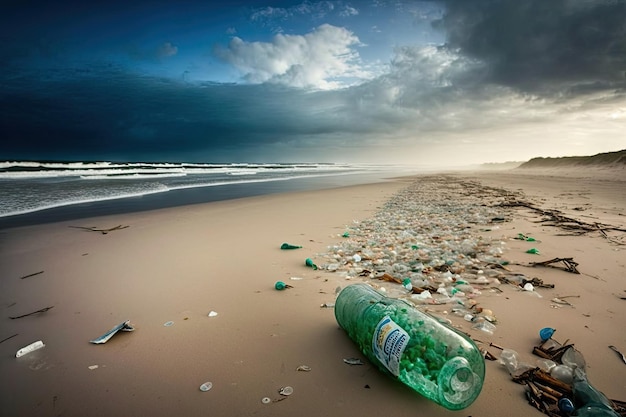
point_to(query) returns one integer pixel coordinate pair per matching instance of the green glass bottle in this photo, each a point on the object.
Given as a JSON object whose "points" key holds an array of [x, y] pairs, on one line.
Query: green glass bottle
{"points": [[432, 358]]}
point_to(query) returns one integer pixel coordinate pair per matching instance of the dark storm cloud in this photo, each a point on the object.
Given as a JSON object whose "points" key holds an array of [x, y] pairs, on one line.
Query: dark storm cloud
{"points": [[115, 114], [542, 45]]}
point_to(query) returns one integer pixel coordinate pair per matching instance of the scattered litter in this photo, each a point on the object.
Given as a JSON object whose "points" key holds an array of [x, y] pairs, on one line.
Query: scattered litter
{"points": [[289, 246], [546, 333], [353, 361], [92, 367], [266, 400], [286, 391], [296, 278], [559, 385], [124, 326], [309, 262], [620, 354], [328, 305], [521, 236], [168, 323], [206, 386], [279, 285], [533, 251], [303, 368], [30, 348], [212, 313]]}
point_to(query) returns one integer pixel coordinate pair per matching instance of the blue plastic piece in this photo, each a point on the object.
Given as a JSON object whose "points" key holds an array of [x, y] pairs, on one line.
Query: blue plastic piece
{"points": [[546, 333]]}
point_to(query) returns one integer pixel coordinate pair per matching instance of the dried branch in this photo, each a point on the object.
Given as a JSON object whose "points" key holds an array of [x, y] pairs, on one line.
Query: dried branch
{"points": [[570, 264], [103, 231], [31, 275], [43, 310]]}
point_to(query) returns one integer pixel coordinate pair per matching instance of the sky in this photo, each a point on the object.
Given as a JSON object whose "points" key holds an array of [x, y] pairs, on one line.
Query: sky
{"points": [[439, 83]]}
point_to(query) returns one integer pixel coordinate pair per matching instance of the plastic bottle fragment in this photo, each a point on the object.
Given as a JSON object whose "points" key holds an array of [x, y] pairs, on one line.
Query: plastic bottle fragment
{"points": [[533, 251], [279, 285], [285, 246], [30, 348], [309, 262], [206, 386]]}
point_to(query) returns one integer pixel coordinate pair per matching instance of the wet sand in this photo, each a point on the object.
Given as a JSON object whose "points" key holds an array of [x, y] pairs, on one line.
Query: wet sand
{"points": [[180, 264]]}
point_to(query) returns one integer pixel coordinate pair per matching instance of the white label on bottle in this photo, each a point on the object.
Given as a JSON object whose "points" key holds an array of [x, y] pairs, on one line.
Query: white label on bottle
{"points": [[388, 344]]}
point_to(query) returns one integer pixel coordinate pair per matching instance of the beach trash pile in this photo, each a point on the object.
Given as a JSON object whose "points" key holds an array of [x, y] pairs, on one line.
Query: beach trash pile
{"points": [[557, 384], [428, 238]]}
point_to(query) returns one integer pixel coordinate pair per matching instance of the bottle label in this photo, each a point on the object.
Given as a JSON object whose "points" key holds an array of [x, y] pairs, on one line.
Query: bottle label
{"points": [[388, 344]]}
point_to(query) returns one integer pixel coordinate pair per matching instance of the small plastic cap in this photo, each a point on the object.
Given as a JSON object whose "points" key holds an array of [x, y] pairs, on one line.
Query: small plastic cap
{"points": [[546, 333], [280, 285], [566, 405]]}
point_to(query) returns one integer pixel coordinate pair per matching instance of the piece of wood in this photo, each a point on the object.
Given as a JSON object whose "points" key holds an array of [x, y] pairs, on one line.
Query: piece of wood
{"points": [[31, 275], [43, 310], [7, 338]]}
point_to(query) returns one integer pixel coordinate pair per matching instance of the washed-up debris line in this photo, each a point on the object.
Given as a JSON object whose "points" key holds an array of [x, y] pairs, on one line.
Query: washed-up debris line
{"points": [[429, 233], [575, 226]]}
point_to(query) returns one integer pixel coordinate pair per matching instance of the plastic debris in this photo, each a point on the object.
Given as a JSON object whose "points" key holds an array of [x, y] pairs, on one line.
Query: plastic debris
{"points": [[92, 367], [353, 361], [266, 400], [286, 391], [124, 326], [206, 386], [546, 333], [533, 251], [212, 313], [303, 368], [289, 246], [620, 354], [279, 285], [309, 262], [30, 348], [168, 323]]}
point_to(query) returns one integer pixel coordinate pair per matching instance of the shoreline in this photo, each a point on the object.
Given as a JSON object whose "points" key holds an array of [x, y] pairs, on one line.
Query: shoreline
{"points": [[189, 196], [179, 264]]}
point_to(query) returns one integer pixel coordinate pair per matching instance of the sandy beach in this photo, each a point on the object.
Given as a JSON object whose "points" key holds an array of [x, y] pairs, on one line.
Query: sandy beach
{"points": [[180, 264]]}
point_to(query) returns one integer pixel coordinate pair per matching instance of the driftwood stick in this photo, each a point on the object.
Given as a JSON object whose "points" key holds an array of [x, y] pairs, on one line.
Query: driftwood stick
{"points": [[31, 275], [103, 231], [570, 264], [7, 338], [43, 310]]}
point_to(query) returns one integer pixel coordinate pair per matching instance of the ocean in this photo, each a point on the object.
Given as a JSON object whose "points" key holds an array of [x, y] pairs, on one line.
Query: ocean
{"points": [[39, 192]]}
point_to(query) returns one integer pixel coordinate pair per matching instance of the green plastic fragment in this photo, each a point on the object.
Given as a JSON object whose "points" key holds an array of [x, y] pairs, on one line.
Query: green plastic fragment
{"points": [[309, 262], [533, 251], [289, 246], [346, 234]]}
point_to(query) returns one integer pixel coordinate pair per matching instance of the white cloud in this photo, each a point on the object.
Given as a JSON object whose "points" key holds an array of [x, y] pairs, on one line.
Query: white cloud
{"points": [[321, 59], [348, 11]]}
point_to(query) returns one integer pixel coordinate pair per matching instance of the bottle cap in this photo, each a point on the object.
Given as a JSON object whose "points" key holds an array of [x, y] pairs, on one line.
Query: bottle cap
{"points": [[546, 333], [566, 405], [280, 285]]}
